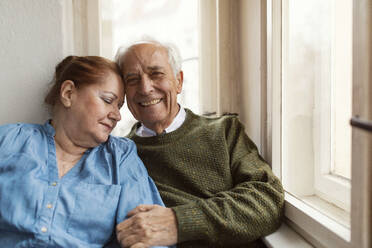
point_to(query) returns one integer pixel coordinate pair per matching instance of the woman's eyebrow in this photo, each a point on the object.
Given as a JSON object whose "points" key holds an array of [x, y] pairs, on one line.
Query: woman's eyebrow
{"points": [[112, 93]]}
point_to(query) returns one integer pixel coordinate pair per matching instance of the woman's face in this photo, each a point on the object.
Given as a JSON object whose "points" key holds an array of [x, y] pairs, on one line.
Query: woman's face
{"points": [[94, 111]]}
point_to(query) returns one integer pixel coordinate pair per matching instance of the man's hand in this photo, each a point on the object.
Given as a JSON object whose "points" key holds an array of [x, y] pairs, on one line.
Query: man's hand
{"points": [[148, 225]]}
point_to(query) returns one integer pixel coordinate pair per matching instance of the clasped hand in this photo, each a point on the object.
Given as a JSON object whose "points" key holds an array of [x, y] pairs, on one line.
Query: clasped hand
{"points": [[148, 225]]}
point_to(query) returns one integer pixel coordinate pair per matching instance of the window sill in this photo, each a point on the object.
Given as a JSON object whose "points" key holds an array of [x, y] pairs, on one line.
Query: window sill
{"points": [[285, 237], [306, 227], [315, 227]]}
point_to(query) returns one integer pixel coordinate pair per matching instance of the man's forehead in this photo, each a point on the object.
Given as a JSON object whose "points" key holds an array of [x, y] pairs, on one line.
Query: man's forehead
{"points": [[146, 52], [145, 56]]}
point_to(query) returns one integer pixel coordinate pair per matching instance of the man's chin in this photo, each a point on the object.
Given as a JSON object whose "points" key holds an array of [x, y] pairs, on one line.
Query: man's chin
{"points": [[151, 116]]}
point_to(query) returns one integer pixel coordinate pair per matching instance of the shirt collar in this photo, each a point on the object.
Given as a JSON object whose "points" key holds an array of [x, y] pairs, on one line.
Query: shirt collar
{"points": [[49, 128], [143, 131]]}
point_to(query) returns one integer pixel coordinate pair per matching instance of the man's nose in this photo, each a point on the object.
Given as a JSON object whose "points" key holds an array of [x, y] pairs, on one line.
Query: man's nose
{"points": [[146, 85]]}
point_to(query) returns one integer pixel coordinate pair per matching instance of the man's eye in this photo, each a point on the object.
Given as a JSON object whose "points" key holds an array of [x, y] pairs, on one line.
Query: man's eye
{"points": [[131, 80], [156, 73]]}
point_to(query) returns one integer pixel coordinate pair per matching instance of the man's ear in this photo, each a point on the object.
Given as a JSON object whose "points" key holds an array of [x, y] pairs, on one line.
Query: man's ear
{"points": [[67, 91], [180, 81]]}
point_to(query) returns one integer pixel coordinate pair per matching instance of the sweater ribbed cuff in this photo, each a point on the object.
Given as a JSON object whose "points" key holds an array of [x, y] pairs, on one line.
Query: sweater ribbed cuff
{"points": [[191, 223]]}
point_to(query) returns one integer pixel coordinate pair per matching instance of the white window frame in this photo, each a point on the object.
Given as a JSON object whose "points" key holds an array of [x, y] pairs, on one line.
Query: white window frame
{"points": [[218, 55], [317, 180], [82, 27], [316, 227], [232, 68], [326, 184]]}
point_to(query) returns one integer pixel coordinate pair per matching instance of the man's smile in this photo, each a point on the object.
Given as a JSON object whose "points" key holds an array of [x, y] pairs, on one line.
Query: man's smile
{"points": [[148, 103]]}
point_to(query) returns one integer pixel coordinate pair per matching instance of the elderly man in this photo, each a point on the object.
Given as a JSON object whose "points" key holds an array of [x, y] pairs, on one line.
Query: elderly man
{"points": [[218, 190]]}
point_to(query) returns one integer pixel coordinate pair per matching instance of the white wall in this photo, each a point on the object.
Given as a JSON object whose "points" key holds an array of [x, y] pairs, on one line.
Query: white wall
{"points": [[31, 43]]}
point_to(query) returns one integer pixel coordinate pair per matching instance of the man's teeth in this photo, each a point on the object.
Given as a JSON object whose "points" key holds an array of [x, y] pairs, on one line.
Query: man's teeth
{"points": [[155, 101]]}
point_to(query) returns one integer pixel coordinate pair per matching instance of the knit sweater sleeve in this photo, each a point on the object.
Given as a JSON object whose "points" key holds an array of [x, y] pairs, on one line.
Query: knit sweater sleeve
{"points": [[252, 208]]}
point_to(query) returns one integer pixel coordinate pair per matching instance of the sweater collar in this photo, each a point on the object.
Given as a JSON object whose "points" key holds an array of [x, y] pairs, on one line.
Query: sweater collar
{"points": [[143, 131], [191, 120]]}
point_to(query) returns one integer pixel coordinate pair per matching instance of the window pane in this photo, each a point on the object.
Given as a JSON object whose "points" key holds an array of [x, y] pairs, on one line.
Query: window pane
{"points": [[172, 21], [342, 88], [306, 91], [316, 97]]}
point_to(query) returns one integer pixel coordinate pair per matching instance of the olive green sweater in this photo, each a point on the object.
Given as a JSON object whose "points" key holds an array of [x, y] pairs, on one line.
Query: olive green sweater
{"points": [[210, 173]]}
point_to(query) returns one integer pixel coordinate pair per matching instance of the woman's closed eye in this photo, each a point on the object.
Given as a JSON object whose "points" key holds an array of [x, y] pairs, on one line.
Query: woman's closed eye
{"points": [[107, 100]]}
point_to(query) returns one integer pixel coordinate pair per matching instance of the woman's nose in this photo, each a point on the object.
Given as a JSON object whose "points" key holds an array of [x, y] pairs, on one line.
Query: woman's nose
{"points": [[115, 114]]}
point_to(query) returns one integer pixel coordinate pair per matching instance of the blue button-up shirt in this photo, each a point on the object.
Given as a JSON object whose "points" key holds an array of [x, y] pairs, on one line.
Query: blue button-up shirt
{"points": [[81, 209]]}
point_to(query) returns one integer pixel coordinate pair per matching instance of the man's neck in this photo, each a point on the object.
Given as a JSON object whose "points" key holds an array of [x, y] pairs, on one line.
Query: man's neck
{"points": [[159, 128]]}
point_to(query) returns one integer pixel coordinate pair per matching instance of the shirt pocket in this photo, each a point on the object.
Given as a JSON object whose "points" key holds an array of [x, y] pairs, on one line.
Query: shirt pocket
{"points": [[93, 216]]}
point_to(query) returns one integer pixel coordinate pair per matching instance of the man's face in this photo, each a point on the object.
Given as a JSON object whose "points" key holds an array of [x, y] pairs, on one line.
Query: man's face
{"points": [[151, 86]]}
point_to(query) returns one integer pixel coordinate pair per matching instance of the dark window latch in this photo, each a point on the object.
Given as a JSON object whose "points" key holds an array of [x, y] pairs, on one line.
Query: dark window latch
{"points": [[362, 124]]}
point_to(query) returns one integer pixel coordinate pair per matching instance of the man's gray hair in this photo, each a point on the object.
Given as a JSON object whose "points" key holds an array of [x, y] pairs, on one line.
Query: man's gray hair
{"points": [[174, 56]]}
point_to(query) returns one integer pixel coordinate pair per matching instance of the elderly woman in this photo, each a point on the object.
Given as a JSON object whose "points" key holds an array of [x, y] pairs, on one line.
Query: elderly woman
{"points": [[67, 183]]}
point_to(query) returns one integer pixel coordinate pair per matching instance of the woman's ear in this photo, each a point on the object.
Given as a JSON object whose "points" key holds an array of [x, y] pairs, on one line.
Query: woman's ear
{"points": [[67, 91]]}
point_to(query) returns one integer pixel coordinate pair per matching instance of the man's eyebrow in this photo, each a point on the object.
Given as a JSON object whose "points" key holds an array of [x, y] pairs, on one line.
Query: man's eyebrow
{"points": [[150, 68], [155, 67], [130, 75]]}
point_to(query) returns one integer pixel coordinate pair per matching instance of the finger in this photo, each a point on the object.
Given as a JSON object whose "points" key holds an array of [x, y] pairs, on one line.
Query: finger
{"points": [[129, 241], [140, 208], [124, 225]]}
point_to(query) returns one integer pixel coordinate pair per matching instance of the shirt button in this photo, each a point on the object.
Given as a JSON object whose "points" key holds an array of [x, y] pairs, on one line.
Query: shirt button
{"points": [[54, 183], [49, 205], [44, 229]]}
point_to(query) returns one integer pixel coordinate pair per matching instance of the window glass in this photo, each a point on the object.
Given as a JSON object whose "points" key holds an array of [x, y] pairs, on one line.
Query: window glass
{"points": [[316, 97]]}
